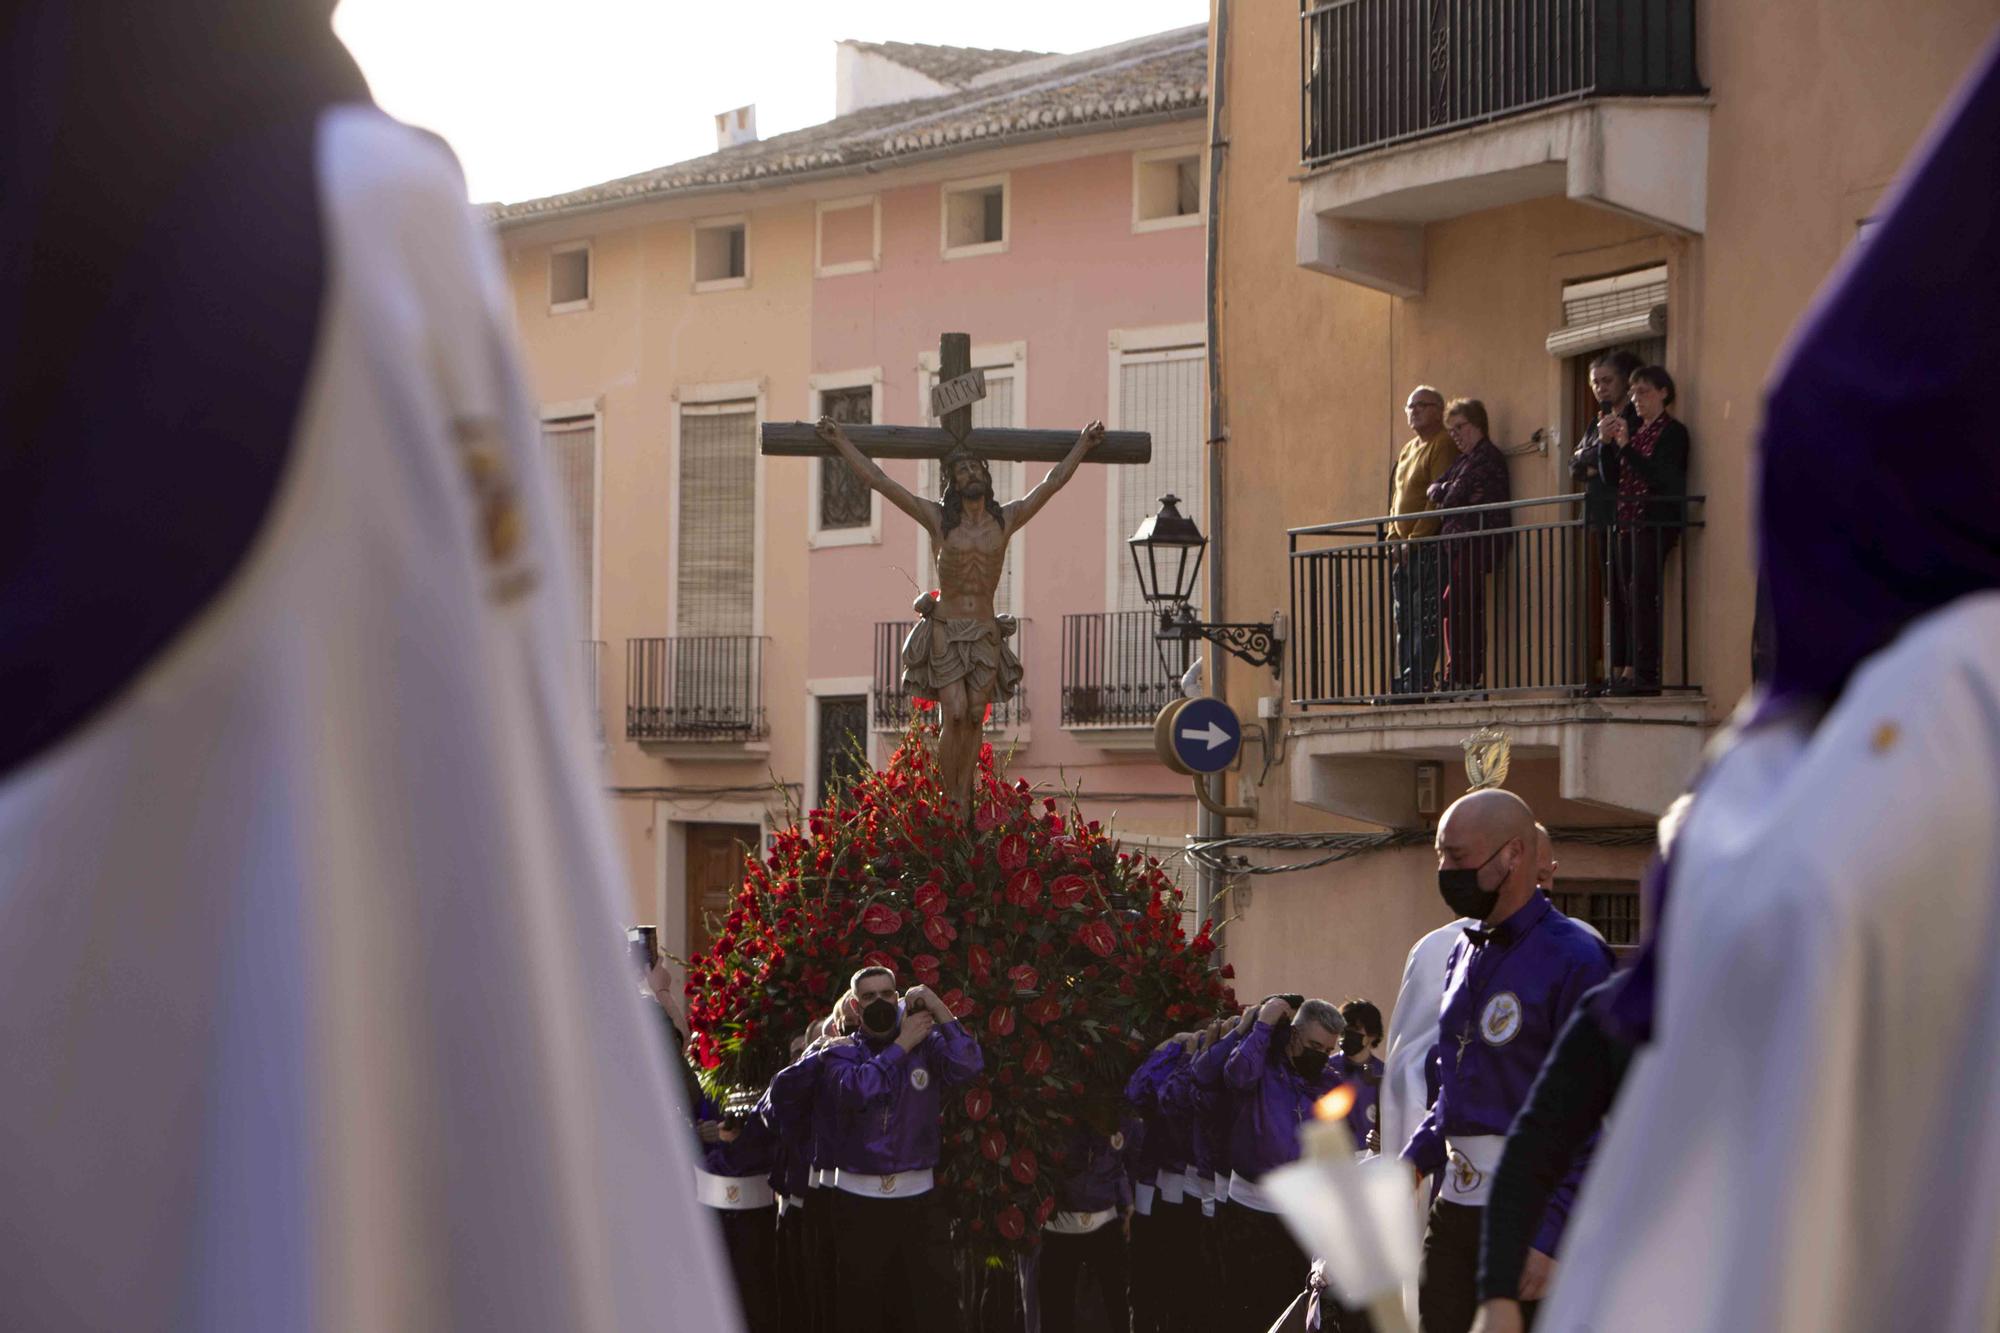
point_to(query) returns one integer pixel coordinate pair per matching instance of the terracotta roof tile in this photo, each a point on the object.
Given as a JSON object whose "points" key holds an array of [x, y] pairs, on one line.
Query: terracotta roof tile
{"points": [[1154, 77], [952, 65]]}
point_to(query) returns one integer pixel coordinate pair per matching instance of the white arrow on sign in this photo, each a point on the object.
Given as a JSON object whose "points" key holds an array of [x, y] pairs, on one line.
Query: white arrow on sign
{"points": [[1212, 733]]}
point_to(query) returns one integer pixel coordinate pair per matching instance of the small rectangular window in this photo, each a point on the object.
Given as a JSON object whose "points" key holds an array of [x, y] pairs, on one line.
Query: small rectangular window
{"points": [[569, 278], [849, 238], [975, 218], [721, 254], [844, 500], [1166, 190]]}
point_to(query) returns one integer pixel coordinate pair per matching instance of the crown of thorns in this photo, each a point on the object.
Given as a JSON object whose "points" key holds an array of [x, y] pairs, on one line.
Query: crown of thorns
{"points": [[964, 455]]}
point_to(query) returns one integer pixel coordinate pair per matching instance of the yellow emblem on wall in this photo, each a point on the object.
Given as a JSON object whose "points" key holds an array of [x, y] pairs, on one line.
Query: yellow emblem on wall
{"points": [[1487, 751], [502, 530]]}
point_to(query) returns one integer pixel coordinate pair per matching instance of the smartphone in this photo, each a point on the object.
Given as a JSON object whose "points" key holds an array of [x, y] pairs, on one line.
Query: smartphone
{"points": [[644, 942]]}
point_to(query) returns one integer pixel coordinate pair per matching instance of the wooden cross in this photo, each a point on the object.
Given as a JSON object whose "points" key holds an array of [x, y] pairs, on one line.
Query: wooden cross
{"points": [[797, 439]]}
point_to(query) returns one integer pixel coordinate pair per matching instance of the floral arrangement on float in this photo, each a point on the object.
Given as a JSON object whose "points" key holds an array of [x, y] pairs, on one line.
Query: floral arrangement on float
{"points": [[1064, 954]]}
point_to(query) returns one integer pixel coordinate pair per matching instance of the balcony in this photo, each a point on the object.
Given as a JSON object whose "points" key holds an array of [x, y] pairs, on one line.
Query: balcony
{"points": [[892, 704], [1531, 647], [1413, 111], [1114, 678], [701, 692]]}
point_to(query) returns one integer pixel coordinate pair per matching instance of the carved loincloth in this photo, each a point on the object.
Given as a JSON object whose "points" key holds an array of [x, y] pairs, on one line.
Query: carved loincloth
{"points": [[938, 652]]}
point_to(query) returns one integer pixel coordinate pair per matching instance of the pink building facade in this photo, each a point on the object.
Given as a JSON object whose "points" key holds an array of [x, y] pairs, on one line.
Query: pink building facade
{"points": [[1010, 200]]}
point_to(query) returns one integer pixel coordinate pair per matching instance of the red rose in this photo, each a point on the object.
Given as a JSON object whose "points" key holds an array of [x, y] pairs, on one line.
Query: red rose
{"points": [[1022, 1168], [1038, 1060], [1024, 977], [1025, 889], [1001, 1021], [992, 1143], [1096, 936], [1013, 852], [1011, 1223], [930, 899], [926, 969], [1045, 1010], [1068, 890], [939, 932], [881, 919], [978, 1101]]}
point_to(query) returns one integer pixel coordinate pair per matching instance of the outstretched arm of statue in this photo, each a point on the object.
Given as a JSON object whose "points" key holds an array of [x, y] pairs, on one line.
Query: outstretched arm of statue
{"points": [[928, 513], [1030, 504]]}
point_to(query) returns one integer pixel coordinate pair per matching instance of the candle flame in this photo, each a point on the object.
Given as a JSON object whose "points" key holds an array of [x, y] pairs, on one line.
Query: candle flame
{"points": [[1336, 1104]]}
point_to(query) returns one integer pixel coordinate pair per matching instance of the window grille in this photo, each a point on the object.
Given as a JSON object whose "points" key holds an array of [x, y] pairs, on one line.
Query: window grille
{"points": [[844, 499], [571, 445]]}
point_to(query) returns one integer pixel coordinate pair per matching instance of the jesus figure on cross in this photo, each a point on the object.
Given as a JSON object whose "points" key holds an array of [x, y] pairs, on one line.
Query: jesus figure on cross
{"points": [[958, 653]]}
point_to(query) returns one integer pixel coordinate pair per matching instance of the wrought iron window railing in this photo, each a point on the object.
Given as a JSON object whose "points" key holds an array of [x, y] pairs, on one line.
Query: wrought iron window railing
{"points": [[699, 687], [892, 703], [1378, 72], [1549, 604], [1115, 673]]}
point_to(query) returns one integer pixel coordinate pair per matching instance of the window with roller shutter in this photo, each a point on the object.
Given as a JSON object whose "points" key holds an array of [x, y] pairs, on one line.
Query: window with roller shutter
{"points": [[571, 446], [715, 569], [1159, 391]]}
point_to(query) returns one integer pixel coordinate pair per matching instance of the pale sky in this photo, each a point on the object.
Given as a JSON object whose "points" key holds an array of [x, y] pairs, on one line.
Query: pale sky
{"points": [[539, 96]]}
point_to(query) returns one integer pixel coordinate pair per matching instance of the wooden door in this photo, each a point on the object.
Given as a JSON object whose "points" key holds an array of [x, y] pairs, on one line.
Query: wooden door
{"points": [[715, 855]]}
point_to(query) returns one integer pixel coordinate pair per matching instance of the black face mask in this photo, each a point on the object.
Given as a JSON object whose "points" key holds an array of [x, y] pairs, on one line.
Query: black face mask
{"points": [[1309, 1064], [1352, 1043], [1462, 894], [881, 1017]]}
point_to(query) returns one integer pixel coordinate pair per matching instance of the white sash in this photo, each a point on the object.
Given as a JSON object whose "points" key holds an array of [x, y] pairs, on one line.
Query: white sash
{"points": [[734, 1193], [1469, 1167], [900, 1185]]}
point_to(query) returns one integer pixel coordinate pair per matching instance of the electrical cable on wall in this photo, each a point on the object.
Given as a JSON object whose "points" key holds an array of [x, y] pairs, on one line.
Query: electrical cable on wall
{"points": [[1226, 855]]}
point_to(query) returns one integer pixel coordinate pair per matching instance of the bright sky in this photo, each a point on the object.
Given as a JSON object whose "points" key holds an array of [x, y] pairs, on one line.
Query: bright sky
{"points": [[539, 96]]}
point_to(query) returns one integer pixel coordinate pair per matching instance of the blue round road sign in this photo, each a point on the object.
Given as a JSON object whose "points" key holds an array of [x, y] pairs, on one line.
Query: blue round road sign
{"points": [[1207, 735]]}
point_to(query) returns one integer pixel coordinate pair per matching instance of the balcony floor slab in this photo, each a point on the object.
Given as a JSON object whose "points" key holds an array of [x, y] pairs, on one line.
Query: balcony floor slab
{"points": [[1630, 755]]}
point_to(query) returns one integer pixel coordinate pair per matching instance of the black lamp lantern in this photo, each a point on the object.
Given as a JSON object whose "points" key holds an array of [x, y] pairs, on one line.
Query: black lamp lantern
{"points": [[1166, 552]]}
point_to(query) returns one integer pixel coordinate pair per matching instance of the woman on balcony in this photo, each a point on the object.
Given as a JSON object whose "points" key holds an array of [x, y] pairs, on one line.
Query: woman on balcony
{"points": [[1478, 476], [1652, 461]]}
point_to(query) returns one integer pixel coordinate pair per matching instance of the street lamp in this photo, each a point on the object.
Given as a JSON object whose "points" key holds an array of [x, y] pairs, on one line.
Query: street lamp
{"points": [[1166, 553]]}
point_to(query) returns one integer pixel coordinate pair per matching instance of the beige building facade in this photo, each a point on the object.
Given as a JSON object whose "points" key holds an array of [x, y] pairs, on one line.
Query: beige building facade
{"points": [[1482, 213]]}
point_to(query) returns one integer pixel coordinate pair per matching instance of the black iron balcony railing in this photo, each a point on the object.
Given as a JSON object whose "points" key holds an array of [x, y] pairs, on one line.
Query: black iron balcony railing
{"points": [[593, 683], [1548, 605], [1378, 72], [700, 687], [892, 705], [1115, 673]]}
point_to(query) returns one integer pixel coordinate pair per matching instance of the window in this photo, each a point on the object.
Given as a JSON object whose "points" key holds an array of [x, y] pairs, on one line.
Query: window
{"points": [[1166, 189], [571, 445], [848, 237], [1607, 312], [715, 572], [1609, 905], [721, 254], [569, 278], [845, 501], [842, 740], [1157, 389], [975, 217]]}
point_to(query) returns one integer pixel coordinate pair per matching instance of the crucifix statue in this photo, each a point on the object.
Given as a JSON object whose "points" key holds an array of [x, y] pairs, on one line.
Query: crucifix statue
{"points": [[958, 654]]}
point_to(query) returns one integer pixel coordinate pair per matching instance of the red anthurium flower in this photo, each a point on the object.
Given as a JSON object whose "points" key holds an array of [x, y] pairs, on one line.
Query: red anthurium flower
{"points": [[930, 900], [981, 963], [1043, 1210], [1013, 852], [1025, 889], [1025, 978], [1022, 1168], [1001, 1021], [954, 1000], [939, 932], [1228, 972], [978, 1101], [1068, 891], [1044, 1010], [926, 969], [1096, 936], [1037, 1061], [881, 919], [876, 958], [992, 1143], [987, 817], [1011, 1223]]}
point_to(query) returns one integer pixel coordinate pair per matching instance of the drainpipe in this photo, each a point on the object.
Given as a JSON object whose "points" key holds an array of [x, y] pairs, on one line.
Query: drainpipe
{"points": [[1209, 883]]}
